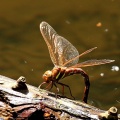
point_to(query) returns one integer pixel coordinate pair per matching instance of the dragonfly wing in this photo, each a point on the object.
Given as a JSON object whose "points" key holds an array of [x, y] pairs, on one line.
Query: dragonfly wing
{"points": [[66, 51], [49, 34], [92, 63], [86, 52], [60, 49]]}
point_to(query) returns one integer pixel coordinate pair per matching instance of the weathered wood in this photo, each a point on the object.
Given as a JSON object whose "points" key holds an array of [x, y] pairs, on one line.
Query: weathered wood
{"points": [[19, 100]]}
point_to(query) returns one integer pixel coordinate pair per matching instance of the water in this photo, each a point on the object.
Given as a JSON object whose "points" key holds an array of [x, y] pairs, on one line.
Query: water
{"points": [[85, 24]]}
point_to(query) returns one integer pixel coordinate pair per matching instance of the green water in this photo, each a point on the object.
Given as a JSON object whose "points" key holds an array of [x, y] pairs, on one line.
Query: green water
{"points": [[24, 52]]}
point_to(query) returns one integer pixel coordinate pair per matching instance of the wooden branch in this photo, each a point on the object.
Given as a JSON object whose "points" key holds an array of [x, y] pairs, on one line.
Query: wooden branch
{"points": [[19, 100]]}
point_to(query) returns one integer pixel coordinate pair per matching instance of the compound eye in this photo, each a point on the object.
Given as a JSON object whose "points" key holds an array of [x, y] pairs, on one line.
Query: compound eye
{"points": [[48, 73], [47, 76]]}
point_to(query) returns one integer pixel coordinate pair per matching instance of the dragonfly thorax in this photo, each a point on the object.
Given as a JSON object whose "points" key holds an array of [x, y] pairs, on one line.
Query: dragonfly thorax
{"points": [[55, 74]]}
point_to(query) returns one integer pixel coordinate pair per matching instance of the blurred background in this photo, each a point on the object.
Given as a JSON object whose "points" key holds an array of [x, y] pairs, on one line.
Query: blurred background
{"points": [[86, 24]]}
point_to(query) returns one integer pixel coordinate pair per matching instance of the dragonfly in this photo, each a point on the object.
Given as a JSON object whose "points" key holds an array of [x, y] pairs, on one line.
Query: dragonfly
{"points": [[65, 58]]}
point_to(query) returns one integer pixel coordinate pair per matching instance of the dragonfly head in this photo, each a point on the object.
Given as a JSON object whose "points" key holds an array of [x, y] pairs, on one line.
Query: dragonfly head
{"points": [[47, 76]]}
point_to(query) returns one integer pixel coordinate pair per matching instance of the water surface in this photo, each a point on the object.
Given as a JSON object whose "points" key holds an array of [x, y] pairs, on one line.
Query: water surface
{"points": [[85, 24]]}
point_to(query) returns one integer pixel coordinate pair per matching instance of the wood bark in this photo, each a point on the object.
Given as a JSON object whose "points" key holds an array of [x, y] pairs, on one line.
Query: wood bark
{"points": [[20, 101]]}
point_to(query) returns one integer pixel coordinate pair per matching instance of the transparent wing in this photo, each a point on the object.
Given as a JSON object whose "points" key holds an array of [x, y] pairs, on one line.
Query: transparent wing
{"points": [[86, 52], [92, 63], [60, 49]]}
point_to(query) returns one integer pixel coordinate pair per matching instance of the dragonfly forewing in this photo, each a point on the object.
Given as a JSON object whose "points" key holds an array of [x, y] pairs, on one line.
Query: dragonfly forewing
{"points": [[60, 49], [49, 34]]}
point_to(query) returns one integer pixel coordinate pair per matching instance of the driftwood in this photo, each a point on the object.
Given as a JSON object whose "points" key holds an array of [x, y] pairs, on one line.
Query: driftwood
{"points": [[20, 101]]}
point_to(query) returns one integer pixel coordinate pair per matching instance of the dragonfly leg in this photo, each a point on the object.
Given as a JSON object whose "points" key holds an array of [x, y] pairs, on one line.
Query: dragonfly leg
{"points": [[49, 85], [41, 84], [57, 90], [67, 87]]}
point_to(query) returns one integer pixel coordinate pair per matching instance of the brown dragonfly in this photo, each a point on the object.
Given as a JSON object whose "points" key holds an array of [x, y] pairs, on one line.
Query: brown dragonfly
{"points": [[65, 58]]}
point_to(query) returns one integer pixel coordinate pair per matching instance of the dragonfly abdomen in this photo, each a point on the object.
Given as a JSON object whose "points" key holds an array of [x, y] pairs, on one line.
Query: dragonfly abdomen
{"points": [[71, 71]]}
